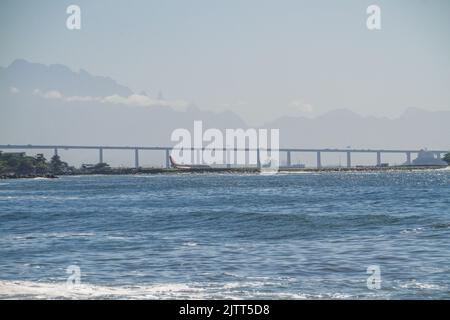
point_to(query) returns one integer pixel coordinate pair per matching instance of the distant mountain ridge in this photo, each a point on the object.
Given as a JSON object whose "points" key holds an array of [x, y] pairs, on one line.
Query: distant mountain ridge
{"points": [[48, 119], [27, 76], [414, 128]]}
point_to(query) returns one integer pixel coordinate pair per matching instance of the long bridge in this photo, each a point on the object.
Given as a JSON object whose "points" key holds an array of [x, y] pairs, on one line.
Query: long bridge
{"points": [[288, 151]]}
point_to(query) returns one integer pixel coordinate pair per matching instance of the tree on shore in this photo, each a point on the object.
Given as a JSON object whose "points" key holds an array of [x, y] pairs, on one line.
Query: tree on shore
{"points": [[40, 164], [57, 166], [19, 163], [447, 158], [26, 166], [2, 165]]}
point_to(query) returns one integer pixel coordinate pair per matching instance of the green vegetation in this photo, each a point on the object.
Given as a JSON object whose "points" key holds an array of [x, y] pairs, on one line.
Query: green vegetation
{"points": [[446, 158], [19, 164], [57, 166]]}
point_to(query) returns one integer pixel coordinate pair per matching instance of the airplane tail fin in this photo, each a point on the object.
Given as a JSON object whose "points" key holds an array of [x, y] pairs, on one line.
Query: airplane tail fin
{"points": [[172, 162]]}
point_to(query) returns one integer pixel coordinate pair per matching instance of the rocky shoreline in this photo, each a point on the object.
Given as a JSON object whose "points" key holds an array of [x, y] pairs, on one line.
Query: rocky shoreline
{"points": [[131, 171], [27, 176]]}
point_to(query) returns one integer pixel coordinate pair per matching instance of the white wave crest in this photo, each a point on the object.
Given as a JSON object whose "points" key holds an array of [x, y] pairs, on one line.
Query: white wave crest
{"points": [[38, 290], [230, 290]]}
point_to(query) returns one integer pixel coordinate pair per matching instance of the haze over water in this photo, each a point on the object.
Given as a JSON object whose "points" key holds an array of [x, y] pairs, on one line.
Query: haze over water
{"points": [[293, 236]]}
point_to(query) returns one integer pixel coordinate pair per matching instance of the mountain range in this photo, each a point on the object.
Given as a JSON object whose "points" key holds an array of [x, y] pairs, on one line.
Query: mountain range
{"points": [[51, 104]]}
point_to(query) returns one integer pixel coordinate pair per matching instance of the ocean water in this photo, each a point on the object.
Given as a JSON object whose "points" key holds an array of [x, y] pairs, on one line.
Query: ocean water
{"points": [[211, 236]]}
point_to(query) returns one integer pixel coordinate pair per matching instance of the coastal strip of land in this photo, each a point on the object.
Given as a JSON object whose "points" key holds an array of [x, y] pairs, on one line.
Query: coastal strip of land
{"points": [[133, 171], [17, 165]]}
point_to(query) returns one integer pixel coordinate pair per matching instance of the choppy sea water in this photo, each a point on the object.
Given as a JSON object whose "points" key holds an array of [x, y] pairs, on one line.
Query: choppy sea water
{"points": [[288, 236]]}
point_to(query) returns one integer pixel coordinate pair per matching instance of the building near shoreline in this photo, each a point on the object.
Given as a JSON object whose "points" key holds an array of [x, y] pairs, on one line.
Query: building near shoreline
{"points": [[13, 154], [427, 158]]}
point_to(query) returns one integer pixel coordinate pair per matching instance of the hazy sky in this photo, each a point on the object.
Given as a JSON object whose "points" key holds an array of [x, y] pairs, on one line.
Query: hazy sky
{"points": [[261, 59]]}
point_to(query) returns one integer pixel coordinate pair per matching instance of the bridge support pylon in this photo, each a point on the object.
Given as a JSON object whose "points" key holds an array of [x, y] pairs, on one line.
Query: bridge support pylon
{"points": [[408, 158], [349, 159], [319, 160], [136, 158], [167, 158]]}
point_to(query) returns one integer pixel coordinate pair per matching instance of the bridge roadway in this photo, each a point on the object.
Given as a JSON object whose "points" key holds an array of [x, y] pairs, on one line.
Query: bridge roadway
{"points": [[167, 150]]}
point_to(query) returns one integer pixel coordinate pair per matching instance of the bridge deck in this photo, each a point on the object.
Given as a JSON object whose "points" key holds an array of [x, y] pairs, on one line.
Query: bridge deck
{"points": [[68, 147]]}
